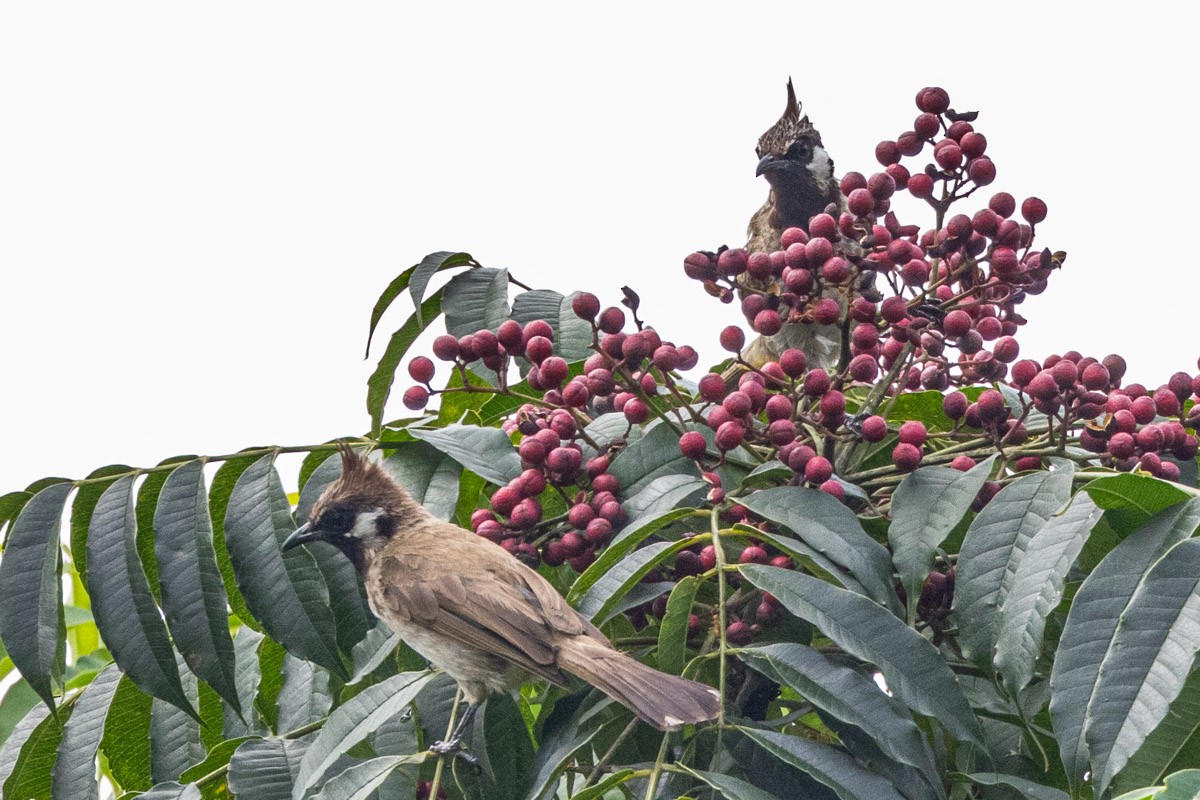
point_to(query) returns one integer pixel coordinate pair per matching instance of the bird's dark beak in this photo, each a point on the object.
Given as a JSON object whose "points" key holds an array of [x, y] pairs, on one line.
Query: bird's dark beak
{"points": [[302, 535], [770, 164]]}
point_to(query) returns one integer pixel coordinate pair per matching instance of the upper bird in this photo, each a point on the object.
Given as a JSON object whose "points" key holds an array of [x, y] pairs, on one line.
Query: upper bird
{"points": [[474, 610], [793, 160]]}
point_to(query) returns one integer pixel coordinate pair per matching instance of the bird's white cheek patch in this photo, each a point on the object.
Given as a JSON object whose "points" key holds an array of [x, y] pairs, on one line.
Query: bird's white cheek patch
{"points": [[820, 167], [364, 524]]}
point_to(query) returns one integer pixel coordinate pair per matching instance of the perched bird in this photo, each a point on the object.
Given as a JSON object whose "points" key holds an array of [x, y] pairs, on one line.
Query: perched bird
{"points": [[474, 610], [793, 160]]}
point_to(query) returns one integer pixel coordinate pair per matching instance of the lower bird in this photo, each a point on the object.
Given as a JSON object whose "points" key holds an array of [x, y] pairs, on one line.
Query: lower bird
{"points": [[474, 610]]}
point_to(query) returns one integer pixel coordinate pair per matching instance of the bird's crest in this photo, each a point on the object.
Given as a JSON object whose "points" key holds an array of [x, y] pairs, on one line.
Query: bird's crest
{"points": [[790, 128]]}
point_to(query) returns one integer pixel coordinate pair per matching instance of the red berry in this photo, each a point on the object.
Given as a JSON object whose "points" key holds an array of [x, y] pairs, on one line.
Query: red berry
{"points": [[933, 100], [693, 445], [955, 405], [887, 152], [1003, 203], [913, 432], [1033, 209], [948, 155], [730, 434], [612, 320], [733, 339], [598, 530], [754, 554], [586, 306], [906, 457], [445, 347], [636, 411], [708, 557], [962, 463], [818, 470], [416, 398], [767, 322], [981, 170], [920, 185], [956, 323], [833, 488], [860, 202]]}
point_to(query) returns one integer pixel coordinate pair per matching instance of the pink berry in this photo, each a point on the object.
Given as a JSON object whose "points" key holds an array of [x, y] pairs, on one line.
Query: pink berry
{"points": [[693, 445], [906, 457], [733, 339], [933, 100], [1033, 209], [416, 398]]}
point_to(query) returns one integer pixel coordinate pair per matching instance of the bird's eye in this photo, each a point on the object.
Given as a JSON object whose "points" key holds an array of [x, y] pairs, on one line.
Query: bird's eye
{"points": [[337, 520], [799, 150]]}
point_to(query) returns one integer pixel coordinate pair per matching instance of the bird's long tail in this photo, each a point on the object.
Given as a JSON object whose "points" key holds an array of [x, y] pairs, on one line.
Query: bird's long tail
{"points": [[665, 701]]}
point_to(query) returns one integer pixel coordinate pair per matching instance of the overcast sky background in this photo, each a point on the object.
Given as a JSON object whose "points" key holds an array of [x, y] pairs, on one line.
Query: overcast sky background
{"points": [[200, 203]]}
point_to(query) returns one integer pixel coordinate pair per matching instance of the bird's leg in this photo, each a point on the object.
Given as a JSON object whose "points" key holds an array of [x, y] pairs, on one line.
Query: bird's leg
{"points": [[454, 746]]}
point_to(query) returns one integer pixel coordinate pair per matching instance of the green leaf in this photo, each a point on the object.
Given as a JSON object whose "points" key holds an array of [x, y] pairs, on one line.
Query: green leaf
{"points": [[218, 503], [572, 334], [126, 742], [430, 476], [246, 677], [664, 494], [18, 700], [359, 781], [1174, 740], [506, 754], [915, 672], [174, 737], [849, 696], [193, 595], [31, 613], [379, 384], [171, 791], [673, 632], [1092, 622], [605, 593], [833, 768], [630, 537], [354, 721], [81, 511], [598, 790], [74, 773], [652, 456], [927, 505], [22, 734], [476, 300], [379, 643], [922, 406], [265, 769], [31, 773], [1037, 589], [416, 276], [731, 788], [11, 505], [571, 726], [1133, 498], [285, 591], [831, 529], [144, 508], [1027, 788], [1147, 663], [306, 696], [488, 452], [992, 551], [126, 615]]}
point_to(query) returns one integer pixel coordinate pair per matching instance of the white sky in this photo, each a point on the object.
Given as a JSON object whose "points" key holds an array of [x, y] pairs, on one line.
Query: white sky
{"points": [[199, 203]]}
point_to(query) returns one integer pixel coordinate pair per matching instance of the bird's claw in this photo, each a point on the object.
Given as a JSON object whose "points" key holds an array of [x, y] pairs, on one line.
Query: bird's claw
{"points": [[455, 749]]}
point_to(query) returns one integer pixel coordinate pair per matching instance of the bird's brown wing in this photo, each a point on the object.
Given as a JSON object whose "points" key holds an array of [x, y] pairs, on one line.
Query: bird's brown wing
{"points": [[484, 610]]}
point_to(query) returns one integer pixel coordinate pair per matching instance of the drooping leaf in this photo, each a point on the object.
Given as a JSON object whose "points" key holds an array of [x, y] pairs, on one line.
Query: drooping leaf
{"points": [[379, 384], [21, 735], [31, 775], [476, 300], [731, 788], [285, 591], [598, 601], [172, 790], [430, 476], [927, 505], [664, 494], [125, 612], [602, 787], [572, 335], [354, 721], [1027, 788], [174, 736], [572, 725], [630, 537], [1133, 498], [358, 782], [1092, 621], [266, 769], [849, 696], [993, 549], [915, 672], [144, 508], [833, 768], [31, 614], [506, 754], [126, 742], [74, 773], [246, 677], [487, 452], [379, 643], [1175, 740], [86, 496], [18, 699], [831, 529], [306, 695], [1147, 663], [1037, 589], [218, 503], [193, 594], [673, 632]]}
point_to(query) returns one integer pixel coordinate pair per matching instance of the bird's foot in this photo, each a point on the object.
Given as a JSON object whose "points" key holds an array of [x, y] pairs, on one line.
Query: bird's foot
{"points": [[454, 748]]}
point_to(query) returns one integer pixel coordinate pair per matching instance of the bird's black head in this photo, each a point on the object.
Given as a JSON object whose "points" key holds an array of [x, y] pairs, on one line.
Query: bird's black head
{"points": [[359, 512], [791, 155]]}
